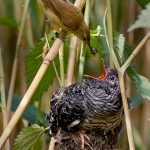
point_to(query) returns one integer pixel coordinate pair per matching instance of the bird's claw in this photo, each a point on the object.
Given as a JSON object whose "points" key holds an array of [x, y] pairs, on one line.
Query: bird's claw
{"points": [[58, 35]]}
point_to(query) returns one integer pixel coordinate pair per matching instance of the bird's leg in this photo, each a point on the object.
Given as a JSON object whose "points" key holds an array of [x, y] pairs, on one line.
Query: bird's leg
{"points": [[55, 29], [61, 35], [58, 35]]}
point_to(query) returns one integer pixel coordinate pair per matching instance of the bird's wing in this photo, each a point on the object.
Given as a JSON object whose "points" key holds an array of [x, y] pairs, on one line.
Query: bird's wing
{"points": [[68, 14], [51, 4], [67, 108]]}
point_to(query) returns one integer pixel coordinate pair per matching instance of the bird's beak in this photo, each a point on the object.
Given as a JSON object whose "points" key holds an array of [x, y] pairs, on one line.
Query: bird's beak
{"points": [[104, 72], [103, 75]]}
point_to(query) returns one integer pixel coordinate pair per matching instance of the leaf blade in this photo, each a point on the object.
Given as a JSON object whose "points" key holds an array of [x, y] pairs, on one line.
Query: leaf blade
{"points": [[29, 138], [143, 20]]}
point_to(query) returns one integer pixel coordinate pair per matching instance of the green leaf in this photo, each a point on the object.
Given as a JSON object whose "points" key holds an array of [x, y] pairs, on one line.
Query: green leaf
{"points": [[29, 138], [144, 87], [32, 66], [138, 141], [34, 62], [143, 3], [143, 19], [120, 45], [96, 32], [8, 22], [31, 114]]}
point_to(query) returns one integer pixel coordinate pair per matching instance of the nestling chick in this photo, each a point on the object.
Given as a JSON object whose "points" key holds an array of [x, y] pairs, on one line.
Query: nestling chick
{"points": [[92, 108], [63, 14]]}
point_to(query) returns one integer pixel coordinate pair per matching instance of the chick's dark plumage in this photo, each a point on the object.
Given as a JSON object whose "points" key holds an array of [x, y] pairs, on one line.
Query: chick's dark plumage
{"points": [[92, 107]]}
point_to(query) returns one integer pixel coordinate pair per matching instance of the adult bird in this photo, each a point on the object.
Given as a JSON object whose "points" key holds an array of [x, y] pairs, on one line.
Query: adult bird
{"points": [[63, 14]]}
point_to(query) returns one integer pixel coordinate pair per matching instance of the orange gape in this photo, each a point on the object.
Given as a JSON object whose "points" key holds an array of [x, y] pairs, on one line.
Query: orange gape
{"points": [[103, 75]]}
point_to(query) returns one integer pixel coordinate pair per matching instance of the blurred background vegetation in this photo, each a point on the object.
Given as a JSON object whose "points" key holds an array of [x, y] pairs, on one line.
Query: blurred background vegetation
{"points": [[124, 14]]}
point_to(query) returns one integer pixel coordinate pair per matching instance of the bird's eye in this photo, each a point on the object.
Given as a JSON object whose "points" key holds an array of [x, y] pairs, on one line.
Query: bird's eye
{"points": [[112, 77]]}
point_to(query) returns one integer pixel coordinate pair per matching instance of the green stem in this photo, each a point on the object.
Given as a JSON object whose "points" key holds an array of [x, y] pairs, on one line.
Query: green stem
{"points": [[109, 28], [111, 50], [61, 60], [83, 51], [81, 63]]}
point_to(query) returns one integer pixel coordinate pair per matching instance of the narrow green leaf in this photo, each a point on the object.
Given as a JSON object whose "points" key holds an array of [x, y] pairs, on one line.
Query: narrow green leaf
{"points": [[35, 17], [29, 138], [143, 19], [96, 32], [138, 141], [120, 45], [127, 50], [9, 22], [143, 3], [144, 87]]}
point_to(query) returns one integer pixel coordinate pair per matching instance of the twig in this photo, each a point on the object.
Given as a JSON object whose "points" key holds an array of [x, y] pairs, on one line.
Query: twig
{"points": [[109, 29], [3, 99], [135, 52], [61, 60], [26, 99], [48, 46], [122, 88], [124, 98], [115, 60], [71, 61], [23, 104], [15, 64], [126, 111], [83, 52]]}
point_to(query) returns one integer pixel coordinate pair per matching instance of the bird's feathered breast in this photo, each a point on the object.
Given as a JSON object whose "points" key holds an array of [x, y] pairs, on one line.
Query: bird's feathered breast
{"points": [[86, 106]]}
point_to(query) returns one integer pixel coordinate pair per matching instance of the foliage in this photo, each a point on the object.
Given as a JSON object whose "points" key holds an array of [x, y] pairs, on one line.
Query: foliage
{"points": [[31, 114], [32, 66], [144, 87], [141, 83], [143, 19], [29, 138], [9, 22], [34, 62], [120, 45], [143, 2], [37, 20]]}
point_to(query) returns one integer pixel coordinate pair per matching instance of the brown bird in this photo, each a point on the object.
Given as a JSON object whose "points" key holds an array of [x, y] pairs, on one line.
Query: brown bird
{"points": [[63, 14]]}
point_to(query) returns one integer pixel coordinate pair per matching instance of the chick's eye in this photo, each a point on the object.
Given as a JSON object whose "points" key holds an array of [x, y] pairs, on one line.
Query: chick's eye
{"points": [[112, 77]]}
